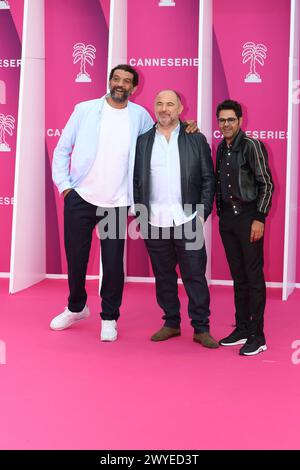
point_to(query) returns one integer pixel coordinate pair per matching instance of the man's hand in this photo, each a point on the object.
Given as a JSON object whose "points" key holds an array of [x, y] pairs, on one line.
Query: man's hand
{"points": [[66, 191], [257, 231], [192, 127]]}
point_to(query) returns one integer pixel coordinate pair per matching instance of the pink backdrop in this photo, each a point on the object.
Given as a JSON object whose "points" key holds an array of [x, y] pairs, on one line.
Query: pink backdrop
{"points": [[87, 24], [172, 33], [265, 104], [10, 54], [298, 233], [158, 39]]}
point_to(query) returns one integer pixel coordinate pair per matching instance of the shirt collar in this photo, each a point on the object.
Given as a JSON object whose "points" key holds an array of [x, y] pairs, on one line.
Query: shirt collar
{"points": [[174, 132], [235, 143]]}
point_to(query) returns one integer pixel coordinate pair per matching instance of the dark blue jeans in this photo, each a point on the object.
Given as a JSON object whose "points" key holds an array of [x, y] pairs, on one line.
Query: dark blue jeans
{"points": [[165, 254], [80, 219]]}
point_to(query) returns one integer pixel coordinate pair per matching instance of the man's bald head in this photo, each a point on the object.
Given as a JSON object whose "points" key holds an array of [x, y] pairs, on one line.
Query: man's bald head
{"points": [[169, 91], [168, 108]]}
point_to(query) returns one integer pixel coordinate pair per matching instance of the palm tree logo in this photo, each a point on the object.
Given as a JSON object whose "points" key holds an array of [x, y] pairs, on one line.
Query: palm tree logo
{"points": [[254, 53], [166, 3], [83, 54], [7, 125], [4, 5]]}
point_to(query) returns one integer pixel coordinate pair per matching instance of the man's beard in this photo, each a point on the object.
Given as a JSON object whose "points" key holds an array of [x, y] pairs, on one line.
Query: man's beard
{"points": [[119, 98], [165, 118]]}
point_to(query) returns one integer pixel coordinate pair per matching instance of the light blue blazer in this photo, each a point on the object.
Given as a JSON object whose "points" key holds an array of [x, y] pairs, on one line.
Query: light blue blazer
{"points": [[81, 134]]}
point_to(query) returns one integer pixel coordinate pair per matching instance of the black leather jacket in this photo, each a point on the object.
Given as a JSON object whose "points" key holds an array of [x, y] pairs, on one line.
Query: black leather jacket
{"points": [[250, 177], [196, 169]]}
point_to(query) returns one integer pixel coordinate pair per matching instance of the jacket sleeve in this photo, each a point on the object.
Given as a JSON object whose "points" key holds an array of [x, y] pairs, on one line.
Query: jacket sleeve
{"points": [[258, 161], [208, 177], [146, 122], [136, 177], [61, 156], [218, 181]]}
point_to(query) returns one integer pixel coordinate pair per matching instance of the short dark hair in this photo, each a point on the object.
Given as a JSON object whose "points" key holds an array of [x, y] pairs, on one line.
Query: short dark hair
{"points": [[230, 104], [126, 68]]}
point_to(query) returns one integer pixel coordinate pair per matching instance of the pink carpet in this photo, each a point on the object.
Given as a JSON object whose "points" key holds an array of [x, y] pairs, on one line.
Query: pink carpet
{"points": [[67, 390]]}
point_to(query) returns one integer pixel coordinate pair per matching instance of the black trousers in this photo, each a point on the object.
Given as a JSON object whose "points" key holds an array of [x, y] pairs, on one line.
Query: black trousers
{"points": [[80, 219], [165, 254], [246, 262]]}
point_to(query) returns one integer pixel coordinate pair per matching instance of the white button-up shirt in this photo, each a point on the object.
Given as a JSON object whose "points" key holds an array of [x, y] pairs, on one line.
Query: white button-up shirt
{"points": [[165, 183]]}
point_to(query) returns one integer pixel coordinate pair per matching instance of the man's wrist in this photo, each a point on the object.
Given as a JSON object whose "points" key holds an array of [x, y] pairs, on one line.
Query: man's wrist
{"points": [[260, 217]]}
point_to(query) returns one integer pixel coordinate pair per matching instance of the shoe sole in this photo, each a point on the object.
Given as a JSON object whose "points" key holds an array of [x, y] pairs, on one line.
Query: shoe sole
{"points": [[165, 339], [254, 353], [65, 327], [240, 341], [106, 340], [206, 345]]}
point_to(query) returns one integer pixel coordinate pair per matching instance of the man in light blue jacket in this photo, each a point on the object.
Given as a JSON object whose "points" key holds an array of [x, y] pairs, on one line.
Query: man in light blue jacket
{"points": [[97, 182], [102, 134]]}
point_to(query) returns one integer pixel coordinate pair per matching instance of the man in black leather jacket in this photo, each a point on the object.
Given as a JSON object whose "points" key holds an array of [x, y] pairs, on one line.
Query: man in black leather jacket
{"points": [[174, 180], [244, 193]]}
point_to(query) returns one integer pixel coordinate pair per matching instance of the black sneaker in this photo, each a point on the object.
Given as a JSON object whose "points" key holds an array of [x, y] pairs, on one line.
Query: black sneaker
{"points": [[236, 337], [253, 346]]}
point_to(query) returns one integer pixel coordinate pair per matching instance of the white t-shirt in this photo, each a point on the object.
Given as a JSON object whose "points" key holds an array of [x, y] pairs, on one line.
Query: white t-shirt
{"points": [[106, 184]]}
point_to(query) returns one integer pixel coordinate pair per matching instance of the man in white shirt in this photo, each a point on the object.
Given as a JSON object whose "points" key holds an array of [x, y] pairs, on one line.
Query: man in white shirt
{"points": [[174, 181], [101, 135]]}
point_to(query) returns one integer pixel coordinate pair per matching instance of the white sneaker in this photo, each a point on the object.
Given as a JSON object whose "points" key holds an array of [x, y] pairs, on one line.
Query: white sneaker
{"points": [[67, 318], [108, 330]]}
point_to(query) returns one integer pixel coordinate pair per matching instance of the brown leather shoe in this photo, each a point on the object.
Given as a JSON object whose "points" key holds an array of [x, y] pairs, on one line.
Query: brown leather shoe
{"points": [[165, 333], [206, 340]]}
